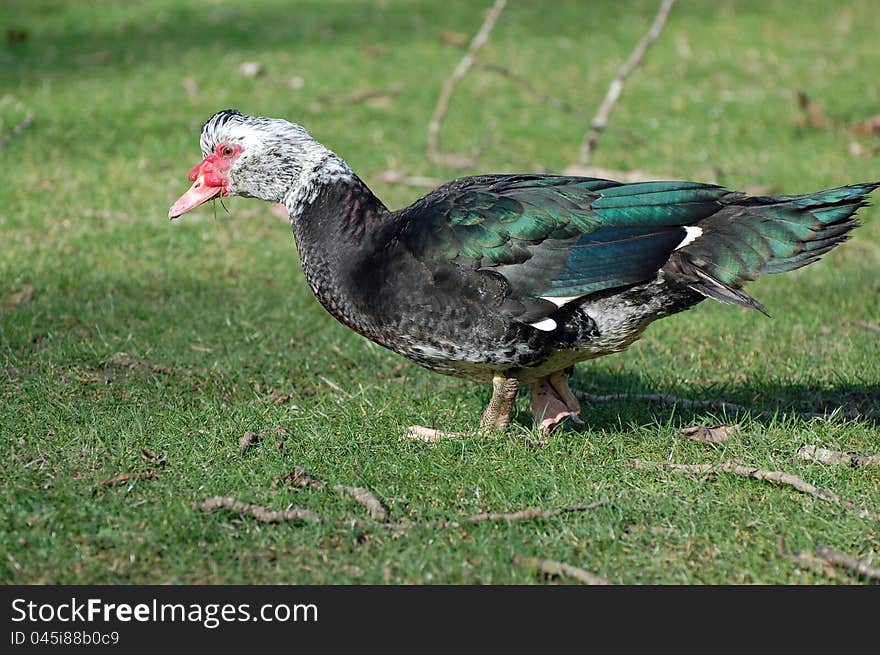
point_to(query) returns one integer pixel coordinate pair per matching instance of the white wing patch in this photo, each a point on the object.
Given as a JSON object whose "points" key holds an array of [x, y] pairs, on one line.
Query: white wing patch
{"points": [[546, 325], [693, 233]]}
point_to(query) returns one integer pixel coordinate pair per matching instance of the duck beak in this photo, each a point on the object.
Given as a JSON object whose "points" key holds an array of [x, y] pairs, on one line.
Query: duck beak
{"points": [[198, 193], [210, 179]]}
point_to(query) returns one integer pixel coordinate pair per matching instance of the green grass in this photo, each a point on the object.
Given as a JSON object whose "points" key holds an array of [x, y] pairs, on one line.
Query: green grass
{"points": [[220, 298]]}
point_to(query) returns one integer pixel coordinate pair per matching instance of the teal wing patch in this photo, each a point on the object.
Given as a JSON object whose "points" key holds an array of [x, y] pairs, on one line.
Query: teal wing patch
{"points": [[557, 235]]}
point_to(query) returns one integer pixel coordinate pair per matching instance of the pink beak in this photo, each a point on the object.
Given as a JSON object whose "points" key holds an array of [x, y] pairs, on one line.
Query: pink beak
{"points": [[209, 179], [198, 193]]}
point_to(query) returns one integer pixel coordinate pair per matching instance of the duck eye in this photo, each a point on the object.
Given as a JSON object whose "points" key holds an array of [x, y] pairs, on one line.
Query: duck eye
{"points": [[227, 151]]}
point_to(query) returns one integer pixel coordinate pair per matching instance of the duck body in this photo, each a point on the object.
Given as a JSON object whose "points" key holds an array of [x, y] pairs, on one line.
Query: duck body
{"points": [[458, 315], [514, 278]]}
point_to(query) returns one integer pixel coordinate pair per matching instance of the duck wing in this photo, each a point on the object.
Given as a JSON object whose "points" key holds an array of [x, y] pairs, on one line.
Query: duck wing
{"points": [[552, 239]]}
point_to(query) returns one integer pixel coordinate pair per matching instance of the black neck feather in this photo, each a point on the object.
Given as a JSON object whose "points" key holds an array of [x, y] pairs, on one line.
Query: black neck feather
{"points": [[334, 230]]}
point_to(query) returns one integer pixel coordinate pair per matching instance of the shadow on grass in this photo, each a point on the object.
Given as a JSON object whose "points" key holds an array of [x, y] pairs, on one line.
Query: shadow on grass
{"points": [[763, 400]]}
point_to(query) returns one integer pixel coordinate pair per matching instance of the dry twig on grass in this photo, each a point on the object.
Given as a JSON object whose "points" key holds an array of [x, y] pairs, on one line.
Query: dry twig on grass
{"points": [[600, 121], [730, 466], [449, 85], [367, 499], [560, 569], [17, 129], [258, 512], [811, 453], [829, 562], [807, 560], [847, 562], [813, 563], [300, 477]]}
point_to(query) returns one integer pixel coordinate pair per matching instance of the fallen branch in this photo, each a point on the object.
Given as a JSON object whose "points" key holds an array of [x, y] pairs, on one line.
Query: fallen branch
{"points": [[847, 562], [807, 560], [367, 499], [817, 564], [600, 121], [449, 85], [258, 512], [551, 567], [300, 477], [18, 128], [668, 399], [730, 466], [122, 478], [810, 453]]}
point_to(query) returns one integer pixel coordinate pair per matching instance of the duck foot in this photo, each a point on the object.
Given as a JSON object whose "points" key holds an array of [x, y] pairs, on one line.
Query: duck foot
{"points": [[553, 402], [429, 435], [496, 416]]}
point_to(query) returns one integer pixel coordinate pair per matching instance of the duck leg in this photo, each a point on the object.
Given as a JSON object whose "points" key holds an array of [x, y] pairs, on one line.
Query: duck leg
{"points": [[496, 416], [553, 401]]}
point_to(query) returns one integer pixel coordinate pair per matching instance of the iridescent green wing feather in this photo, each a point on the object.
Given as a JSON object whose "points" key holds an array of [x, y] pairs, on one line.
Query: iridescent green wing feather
{"points": [[555, 235]]}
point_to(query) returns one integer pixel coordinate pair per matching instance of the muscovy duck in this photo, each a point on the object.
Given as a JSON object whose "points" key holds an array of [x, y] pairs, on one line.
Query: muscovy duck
{"points": [[512, 279]]}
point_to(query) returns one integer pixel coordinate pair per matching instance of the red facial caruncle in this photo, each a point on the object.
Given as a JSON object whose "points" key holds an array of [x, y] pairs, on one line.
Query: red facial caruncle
{"points": [[210, 179]]}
